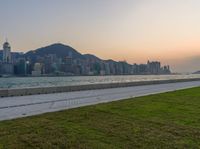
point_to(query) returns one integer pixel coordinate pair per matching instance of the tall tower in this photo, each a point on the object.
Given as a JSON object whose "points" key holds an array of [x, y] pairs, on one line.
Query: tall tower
{"points": [[7, 53]]}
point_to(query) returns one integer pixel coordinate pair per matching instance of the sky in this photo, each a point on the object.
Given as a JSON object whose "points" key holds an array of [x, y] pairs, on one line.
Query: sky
{"points": [[131, 30]]}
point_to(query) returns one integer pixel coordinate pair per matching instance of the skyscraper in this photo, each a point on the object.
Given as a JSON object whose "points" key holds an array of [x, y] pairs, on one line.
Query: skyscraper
{"points": [[7, 53], [7, 66]]}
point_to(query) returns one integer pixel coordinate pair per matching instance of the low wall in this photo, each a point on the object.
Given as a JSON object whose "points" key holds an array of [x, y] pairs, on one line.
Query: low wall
{"points": [[48, 90]]}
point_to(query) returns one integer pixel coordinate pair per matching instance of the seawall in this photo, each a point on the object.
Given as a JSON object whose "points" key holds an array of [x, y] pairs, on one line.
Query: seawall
{"points": [[48, 90]]}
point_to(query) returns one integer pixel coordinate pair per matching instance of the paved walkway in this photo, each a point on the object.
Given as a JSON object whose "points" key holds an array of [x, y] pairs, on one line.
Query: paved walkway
{"points": [[15, 107]]}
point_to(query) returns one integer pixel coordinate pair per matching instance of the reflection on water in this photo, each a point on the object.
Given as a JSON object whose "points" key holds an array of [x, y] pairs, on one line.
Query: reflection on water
{"points": [[27, 82]]}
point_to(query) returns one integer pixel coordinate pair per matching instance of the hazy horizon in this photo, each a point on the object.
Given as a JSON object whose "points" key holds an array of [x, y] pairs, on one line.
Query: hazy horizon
{"points": [[131, 30]]}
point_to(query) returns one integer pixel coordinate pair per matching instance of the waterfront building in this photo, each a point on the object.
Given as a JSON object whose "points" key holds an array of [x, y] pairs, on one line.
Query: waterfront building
{"points": [[6, 66], [7, 53], [6, 69], [107, 68], [143, 69], [154, 67], [166, 70], [21, 67], [37, 69]]}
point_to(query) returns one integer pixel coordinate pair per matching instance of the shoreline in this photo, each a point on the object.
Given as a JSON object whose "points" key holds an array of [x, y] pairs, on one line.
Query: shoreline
{"points": [[30, 76], [60, 89]]}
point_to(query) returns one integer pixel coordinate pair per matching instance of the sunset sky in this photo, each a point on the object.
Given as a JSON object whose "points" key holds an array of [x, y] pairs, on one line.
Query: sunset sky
{"points": [[131, 30]]}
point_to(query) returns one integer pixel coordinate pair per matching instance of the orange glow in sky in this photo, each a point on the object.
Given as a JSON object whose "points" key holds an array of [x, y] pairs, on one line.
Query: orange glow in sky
{"points": [[131, 30]]}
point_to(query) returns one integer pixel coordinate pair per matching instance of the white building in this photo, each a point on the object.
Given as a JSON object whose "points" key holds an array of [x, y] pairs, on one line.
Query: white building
{"points": [[6, 67], [7, 53], [37, 69]]}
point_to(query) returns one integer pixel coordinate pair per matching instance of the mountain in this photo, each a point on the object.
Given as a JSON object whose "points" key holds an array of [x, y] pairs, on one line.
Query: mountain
{"points": [[92, 57], [197, 72], [110, 61], [60, 50]]}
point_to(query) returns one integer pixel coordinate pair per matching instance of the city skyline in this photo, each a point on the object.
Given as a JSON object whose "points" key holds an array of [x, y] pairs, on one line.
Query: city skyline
{"points": [[62, 60], [134, 30]]}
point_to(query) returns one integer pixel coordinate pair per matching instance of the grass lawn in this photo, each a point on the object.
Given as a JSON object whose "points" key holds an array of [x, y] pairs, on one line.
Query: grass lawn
{"points": [[168, 120]]}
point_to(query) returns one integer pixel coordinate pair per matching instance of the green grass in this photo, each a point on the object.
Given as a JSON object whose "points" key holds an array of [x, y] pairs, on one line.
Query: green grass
{"points": [[168, 120]]}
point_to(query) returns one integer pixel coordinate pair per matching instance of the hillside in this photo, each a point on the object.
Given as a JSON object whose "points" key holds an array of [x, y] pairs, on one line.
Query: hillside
{"points": [[60, 50]]}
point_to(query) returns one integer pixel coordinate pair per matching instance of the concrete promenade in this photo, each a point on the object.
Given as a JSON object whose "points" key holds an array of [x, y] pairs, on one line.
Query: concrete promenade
{"points": [[21, 106]]}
